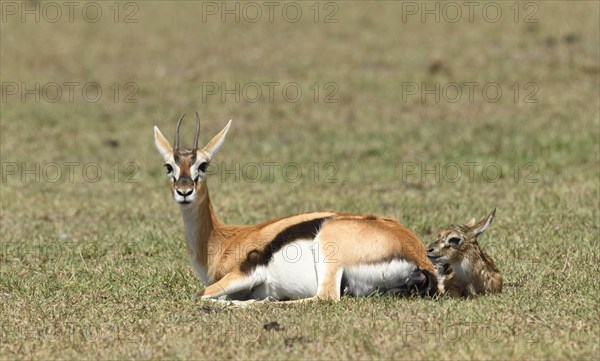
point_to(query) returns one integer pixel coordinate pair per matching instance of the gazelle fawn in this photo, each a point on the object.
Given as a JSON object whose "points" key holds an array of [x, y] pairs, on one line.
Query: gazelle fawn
{"points": [[319, 255], [463, 267]]}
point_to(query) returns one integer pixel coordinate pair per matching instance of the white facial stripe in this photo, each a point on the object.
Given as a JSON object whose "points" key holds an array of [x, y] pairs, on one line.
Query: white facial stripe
{"points": [[174, 175], [453, 235], [194, 170]]}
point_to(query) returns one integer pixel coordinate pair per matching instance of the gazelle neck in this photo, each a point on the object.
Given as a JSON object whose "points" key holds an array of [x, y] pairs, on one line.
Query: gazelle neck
{"points": [[475, 268], [203, 232]]}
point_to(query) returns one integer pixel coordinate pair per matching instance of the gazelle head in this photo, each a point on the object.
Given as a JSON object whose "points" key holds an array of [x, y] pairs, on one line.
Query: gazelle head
{"points": [[186, 168], [453, 242]]}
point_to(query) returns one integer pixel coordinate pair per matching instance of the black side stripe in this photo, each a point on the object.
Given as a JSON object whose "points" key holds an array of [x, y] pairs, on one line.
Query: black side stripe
{"points": [[302, 230]]}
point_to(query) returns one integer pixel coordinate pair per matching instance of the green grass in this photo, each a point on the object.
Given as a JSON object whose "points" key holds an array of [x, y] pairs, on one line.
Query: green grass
{"points": [[99, 269]]}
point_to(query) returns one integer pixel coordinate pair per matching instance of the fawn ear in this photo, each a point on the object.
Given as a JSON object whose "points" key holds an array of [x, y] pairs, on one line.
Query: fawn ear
{"points": [[213, 146], [480, 227], [162, 144], [471, 222]]}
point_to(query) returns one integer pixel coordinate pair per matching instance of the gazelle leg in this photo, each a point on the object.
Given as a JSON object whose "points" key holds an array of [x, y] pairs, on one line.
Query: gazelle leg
{"points": [[231, 283], [330, 279], [303, 300], [328, 290], [329, 271]]}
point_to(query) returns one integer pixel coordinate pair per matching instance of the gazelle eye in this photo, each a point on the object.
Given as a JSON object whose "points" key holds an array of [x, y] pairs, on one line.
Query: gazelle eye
{"points": [[169, 168], [202, 167], [454, 240]]}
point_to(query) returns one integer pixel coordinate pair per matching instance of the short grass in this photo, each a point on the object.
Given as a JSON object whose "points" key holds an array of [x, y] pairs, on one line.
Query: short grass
{"points": [[99, 269]]}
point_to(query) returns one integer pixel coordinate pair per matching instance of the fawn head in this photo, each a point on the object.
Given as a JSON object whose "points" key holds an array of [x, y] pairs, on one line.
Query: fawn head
{"points": [[452, 242], [186, 168]]}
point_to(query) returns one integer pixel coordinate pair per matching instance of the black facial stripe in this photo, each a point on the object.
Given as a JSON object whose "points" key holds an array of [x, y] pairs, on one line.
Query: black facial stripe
{"points": [[303, 230]]}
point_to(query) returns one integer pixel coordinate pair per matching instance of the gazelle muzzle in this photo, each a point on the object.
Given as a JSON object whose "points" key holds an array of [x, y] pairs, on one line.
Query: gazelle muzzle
{"points": [[185, 188]]}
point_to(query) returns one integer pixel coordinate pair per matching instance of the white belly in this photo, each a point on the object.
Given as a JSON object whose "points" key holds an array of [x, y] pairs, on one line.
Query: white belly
{"points": [[363, 280], [291, 274]]}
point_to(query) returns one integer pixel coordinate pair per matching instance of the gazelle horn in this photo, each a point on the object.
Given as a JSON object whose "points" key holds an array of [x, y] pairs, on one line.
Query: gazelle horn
{"points": [[197, 131], [176, 143]]}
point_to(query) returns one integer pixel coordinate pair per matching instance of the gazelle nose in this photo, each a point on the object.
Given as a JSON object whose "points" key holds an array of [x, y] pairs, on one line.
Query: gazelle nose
{"points": [[185, 193]]}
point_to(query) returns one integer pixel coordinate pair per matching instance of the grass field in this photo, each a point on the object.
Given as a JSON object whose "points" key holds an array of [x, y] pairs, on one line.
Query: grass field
{"points": [[95, 265]]}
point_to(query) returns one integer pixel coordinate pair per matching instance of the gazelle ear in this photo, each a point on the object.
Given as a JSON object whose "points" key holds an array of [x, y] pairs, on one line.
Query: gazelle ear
{"points": [[471, 222], [162, 144], [480, 227], [213, 146]]}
